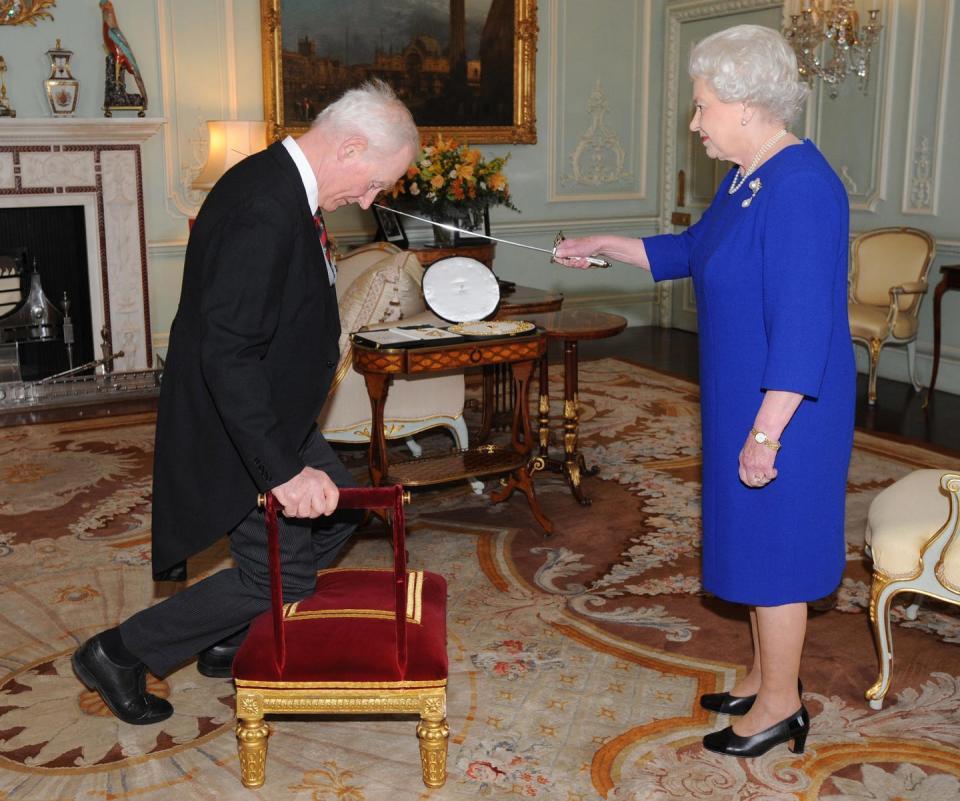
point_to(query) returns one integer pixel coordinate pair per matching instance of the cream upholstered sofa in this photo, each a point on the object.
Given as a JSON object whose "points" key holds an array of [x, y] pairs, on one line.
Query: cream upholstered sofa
{"points": [[379, 285], [913, 537]]}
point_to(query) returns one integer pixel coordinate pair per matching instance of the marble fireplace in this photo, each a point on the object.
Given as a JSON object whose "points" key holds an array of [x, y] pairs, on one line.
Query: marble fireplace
{"points": [[95, 164]]}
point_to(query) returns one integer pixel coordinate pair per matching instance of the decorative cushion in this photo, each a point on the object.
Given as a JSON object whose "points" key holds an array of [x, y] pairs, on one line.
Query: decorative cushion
{"points": [[377, 283], [345, 632], [901, 520]]}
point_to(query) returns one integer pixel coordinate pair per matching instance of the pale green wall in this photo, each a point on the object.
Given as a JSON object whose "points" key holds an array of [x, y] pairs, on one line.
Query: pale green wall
{"points": [[201, 60]]}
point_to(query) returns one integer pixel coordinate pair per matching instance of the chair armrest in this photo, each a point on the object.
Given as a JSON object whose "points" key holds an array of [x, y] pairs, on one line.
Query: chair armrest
{"points": [[899, 304], [909, 288]]}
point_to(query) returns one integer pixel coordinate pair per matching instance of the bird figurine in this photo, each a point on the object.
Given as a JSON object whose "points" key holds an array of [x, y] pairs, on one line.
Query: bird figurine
{"points": [[119, 48]]}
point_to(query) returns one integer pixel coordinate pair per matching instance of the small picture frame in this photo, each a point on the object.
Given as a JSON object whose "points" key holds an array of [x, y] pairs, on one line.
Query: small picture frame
{"points": [[484, 228], [389, 227]]}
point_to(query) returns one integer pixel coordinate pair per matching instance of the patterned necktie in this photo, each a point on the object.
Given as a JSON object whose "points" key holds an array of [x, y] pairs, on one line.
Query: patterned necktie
{"points": [[325, 245]]}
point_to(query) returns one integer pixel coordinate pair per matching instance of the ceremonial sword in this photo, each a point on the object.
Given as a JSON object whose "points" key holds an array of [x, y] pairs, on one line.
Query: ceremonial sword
{"points": [[593, 261]]}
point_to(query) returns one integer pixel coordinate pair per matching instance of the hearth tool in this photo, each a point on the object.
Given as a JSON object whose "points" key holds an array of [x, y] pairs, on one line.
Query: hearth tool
{"points": [[594, 261], [88, 366]]}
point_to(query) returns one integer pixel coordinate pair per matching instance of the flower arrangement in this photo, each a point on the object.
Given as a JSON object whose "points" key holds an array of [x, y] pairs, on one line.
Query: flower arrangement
{"points": [[452, 182]]}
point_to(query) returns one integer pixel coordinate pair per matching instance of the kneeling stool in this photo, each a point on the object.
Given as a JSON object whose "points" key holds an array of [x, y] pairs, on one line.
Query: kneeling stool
{"points": [[369, 641]]}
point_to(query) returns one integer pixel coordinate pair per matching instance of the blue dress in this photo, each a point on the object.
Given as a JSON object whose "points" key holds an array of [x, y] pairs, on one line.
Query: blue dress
{"points": [[771, 290]]}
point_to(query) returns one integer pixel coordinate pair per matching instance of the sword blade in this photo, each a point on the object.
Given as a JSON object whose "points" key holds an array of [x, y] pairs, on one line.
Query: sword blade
{"points": [[450, 227]]}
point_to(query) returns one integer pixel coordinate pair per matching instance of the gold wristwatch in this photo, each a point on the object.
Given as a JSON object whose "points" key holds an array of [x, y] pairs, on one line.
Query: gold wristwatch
{"points": [[763, 439]]}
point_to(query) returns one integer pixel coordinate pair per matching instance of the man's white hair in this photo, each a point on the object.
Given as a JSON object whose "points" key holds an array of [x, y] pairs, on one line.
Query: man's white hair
{"points": [[754, 65], [373, 111]]}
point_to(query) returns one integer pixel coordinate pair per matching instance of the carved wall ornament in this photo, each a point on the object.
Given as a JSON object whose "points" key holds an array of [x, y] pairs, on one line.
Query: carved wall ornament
{"points": [[848, 181], [598, 157], [199, 145], [25, 12], [921, 182]]}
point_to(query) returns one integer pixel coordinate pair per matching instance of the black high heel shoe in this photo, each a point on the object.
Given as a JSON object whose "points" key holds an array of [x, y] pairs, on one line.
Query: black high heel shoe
{"points": [[795, 728], [733, 704]]}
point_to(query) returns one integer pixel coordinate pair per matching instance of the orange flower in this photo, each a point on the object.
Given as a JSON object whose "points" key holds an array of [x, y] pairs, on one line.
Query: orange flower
{"points": [[437, 181]]}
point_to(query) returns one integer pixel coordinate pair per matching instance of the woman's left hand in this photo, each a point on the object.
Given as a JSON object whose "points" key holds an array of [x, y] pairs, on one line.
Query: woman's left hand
{"points": [[756, 464]]}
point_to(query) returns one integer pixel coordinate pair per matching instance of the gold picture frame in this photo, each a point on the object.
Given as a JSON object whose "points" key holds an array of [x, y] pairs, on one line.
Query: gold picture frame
{"points": [[321, 75]]}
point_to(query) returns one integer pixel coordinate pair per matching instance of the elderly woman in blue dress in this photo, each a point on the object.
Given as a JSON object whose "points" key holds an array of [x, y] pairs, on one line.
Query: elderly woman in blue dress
{"points": [[768, 260]]}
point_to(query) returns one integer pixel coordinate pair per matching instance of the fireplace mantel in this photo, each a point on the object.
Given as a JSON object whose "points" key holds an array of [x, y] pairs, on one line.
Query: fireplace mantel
{"points": [[94, 163], [78, 131]]}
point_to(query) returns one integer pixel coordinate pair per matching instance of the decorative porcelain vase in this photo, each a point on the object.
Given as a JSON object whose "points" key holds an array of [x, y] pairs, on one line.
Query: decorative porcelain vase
{"points": [[62, 88]]}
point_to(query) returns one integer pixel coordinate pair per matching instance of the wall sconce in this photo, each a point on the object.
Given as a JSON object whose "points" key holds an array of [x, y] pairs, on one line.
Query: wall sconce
{"points": [[230, 141]]}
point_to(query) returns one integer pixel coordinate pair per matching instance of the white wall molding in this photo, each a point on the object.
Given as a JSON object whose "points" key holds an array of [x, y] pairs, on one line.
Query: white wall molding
{"points": [[866, 192], [634, 140], [170, 248], [184, 143], [924, 163]]}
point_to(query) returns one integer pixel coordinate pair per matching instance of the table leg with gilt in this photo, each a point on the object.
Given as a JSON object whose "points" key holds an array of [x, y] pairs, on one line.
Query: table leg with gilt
{"points": [[574, 466], [521, 439]]}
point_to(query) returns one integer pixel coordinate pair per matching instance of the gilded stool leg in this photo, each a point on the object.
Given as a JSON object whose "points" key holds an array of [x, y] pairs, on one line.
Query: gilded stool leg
{"points": [[881, 594], [433, 733], [252, 750]]}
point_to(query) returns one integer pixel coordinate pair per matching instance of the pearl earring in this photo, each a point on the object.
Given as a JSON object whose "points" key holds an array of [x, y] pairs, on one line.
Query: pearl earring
{"points": [[743, 120]]}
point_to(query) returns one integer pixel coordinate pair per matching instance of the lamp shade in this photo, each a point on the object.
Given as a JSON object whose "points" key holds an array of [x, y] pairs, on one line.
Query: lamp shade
{"points": [[230, 141]]}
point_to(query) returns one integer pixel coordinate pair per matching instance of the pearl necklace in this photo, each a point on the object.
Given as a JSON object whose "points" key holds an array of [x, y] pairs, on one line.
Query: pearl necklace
{"points": [[735, 184]]}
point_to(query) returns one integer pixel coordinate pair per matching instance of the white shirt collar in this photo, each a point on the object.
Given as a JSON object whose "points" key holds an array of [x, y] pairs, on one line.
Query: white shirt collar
{"points": [[312, 190], [306, 172]]}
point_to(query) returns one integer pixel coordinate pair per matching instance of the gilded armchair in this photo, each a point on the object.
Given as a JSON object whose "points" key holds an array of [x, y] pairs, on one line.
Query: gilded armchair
{"points": [[888, 279]]}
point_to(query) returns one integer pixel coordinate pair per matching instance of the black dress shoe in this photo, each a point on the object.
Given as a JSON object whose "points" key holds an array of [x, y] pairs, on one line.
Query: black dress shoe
{"points": [[795, 728], [122, 688], [728, 704], [217, 661], [733, 704]]}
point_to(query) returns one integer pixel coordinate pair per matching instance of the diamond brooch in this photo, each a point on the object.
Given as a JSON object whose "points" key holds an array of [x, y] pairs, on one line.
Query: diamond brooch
{"points": [[754, 186]]}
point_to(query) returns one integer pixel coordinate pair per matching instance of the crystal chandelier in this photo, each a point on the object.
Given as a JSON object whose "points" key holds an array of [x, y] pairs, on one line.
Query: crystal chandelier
{"points": [[817, 22]]}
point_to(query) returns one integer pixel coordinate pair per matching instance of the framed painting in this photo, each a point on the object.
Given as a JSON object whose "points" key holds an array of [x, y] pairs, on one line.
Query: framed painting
{"points": [[465, 68]]}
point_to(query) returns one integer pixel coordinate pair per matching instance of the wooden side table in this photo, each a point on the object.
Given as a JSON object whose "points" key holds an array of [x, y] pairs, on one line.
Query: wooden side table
{"points": [[379, 365], [950, 280], [569, 327]]}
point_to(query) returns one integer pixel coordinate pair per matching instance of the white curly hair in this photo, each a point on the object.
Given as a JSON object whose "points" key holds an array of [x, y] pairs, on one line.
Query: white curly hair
{"points": [[754, 65], [374, 111]]}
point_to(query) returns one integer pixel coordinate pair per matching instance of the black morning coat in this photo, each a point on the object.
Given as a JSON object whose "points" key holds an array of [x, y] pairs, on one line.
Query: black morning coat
{"points": [[252, 353]]}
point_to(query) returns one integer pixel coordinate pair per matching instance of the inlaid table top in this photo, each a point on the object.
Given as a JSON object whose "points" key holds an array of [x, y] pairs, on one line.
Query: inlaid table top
{"points": [[578, 324]]}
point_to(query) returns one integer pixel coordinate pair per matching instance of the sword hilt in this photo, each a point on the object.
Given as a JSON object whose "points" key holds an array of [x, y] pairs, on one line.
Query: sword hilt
{"points": [[593, 261]]}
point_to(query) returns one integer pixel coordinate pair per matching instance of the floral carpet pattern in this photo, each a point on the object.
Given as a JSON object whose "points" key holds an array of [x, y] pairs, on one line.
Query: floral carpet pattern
{"points": [[575, 661]]}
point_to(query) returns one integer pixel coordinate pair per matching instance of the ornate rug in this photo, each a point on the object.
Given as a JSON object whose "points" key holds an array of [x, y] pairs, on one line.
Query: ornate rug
{"points": [[575, 661]]}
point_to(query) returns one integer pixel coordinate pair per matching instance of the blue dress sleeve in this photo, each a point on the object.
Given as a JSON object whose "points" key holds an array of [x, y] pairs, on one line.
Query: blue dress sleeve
{"points": [[804, 247], [669, 254]]}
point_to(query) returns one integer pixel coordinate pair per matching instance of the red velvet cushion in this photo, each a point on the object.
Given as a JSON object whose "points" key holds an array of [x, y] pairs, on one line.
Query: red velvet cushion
{"points": [[346, 632]]}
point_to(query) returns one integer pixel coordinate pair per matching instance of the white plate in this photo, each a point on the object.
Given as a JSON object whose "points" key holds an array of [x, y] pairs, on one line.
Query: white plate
{"points": [[460, 289]]}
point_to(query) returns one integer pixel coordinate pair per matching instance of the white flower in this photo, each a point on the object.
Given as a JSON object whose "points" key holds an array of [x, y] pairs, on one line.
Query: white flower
{"points": [[414, 189], [453, 173], [907, 783]]}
